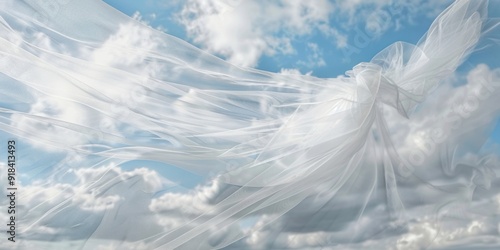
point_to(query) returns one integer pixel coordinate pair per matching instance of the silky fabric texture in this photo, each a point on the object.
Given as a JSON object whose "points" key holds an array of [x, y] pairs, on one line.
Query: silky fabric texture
{"points": [[273, 138]]}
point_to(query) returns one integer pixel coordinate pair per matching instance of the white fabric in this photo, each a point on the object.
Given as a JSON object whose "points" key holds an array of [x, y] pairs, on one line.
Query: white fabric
{"points": [[154, 97]]}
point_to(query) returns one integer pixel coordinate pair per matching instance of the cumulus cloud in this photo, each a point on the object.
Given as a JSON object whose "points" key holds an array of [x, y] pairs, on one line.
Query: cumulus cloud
{"points": [[105, 202], [314, 57], [285, 71], [424, 234], [243, 31], [377, 16]]}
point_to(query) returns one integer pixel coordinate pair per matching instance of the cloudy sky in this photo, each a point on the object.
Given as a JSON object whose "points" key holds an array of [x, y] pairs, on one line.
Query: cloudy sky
{"points": [[101, 173]]}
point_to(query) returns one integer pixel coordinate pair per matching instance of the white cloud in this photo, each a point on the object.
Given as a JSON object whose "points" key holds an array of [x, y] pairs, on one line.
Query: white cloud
{"points": [[314, 57], [380, 15], [243, 31], [425, 233], [105, 202], [284, 71], [445, 119]]}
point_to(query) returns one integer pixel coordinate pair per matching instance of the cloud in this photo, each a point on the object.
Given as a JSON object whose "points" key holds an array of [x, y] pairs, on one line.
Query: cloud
{"points": [[446, 119], [314, 57], [105, 202], [243, 31], [284, 71], [424, 234], [378, 16]]}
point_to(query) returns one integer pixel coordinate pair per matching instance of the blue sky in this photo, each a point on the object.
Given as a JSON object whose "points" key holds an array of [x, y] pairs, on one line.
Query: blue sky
{"points": [[408, 25], [336, 63]]}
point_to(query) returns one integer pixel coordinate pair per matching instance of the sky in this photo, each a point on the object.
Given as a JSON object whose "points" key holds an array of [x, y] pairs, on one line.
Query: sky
{"points": [[326, 39], [135, 203]]}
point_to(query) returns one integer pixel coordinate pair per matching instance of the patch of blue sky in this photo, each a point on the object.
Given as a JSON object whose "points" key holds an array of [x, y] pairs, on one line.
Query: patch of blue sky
{"points": [[495, 136], [156, 13], [361, 45]]}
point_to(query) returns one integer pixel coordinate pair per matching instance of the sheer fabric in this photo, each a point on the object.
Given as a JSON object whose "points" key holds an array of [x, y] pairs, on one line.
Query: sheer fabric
{"points": [[71, 85]]}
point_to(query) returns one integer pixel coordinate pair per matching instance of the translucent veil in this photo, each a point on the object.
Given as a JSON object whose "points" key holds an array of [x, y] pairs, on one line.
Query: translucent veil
{"points": [[80, 78]]}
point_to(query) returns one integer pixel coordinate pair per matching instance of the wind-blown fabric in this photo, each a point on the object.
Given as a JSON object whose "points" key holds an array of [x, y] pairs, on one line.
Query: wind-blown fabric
{"points": [[71, 86]]}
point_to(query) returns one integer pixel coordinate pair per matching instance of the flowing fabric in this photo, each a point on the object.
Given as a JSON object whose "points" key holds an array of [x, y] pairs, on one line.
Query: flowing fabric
{"points": [[71, 85]]}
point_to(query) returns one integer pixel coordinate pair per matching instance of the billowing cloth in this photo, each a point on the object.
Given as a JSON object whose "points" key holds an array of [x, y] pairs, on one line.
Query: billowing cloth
{"points": [[80, 78]]}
